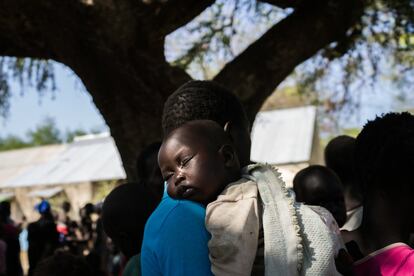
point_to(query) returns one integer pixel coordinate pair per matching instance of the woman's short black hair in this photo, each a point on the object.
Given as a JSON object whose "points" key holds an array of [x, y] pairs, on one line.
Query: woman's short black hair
{"points": [[384, 153], [202, 100]]}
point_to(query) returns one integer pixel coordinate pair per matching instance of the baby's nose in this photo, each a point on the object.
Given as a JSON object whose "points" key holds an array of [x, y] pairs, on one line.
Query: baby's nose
{"points": [[180, 177]]}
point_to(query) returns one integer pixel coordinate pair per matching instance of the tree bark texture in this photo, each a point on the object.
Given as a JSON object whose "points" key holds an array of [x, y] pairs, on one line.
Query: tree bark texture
{"points": [[117, 50]]}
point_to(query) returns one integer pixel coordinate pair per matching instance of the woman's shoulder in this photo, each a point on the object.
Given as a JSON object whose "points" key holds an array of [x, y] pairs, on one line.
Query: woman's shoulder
{"points": [[171, 211], [173, 217]]}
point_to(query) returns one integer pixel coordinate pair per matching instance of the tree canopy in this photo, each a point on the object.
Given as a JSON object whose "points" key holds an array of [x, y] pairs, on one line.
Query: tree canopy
{"points": [[131, 55], [379, 45]]}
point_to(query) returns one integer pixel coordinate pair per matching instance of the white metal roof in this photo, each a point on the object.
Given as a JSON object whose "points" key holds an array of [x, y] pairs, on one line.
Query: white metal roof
{"points": [[46, 193], [84, 160], [283, 136], [15, 162]]}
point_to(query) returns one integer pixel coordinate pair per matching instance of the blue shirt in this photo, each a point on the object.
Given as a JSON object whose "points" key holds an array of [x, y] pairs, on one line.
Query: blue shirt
{"points": [[175, 240]]}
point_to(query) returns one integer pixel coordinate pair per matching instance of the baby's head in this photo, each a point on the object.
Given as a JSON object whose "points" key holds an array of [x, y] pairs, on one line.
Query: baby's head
{"points": [[197, 160], [318, 185]]}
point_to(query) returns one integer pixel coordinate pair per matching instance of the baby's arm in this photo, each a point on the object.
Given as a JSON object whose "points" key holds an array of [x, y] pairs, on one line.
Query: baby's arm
{"points": [[234, 229]]}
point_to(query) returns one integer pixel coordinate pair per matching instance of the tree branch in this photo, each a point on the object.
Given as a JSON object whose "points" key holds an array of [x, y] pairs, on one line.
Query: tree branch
{"points": [[39, 29], [287, 44], [284, 3], [9, 48], [173, 14], [18, 38]]}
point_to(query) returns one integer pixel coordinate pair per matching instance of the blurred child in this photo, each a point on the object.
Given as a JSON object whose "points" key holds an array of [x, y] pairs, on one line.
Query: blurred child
{"points": [[320, 186], [124, 213], [11, 237], [42, 236]]}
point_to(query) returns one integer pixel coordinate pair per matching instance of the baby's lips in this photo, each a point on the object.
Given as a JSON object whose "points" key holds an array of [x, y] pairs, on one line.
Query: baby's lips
{"points": [[179, 191], [188, 192], [184, 191]]}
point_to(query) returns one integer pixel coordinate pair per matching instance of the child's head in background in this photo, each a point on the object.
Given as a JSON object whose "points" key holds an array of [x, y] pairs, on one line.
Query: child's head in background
{"points": [[318, 185]]}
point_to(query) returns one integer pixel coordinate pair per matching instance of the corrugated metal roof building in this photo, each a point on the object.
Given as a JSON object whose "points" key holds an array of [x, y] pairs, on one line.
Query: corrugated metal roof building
{"points": [[94, 158], [42, 172], [15, 162], [287, 138]]}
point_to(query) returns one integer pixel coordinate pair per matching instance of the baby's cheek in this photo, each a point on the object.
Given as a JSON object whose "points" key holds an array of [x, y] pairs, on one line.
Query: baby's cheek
{"points": [[171, 191]]}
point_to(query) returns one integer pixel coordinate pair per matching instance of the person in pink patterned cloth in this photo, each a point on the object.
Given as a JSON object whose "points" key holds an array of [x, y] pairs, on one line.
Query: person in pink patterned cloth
{"points": [[394, 259], [384, 160]]}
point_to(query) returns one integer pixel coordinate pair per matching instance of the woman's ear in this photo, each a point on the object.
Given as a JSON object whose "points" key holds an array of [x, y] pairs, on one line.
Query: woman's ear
{"points": [[240, 138], [229, 156], [227, 126]]}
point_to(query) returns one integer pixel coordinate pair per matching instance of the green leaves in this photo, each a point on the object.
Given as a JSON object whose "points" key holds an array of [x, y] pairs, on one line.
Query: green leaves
{"points": [[378, 48], [45, 133]]}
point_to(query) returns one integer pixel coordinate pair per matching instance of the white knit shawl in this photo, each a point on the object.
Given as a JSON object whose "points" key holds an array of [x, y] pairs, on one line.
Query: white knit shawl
{"points": [[297, 242]]}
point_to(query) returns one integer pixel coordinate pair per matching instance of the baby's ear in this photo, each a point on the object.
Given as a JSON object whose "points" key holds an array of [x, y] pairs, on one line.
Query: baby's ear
{"points": [[229, 156]]}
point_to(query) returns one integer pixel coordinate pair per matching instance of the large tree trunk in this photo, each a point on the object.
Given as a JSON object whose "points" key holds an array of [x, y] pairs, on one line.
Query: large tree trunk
{"points": [[116, 48], [130, 105]]}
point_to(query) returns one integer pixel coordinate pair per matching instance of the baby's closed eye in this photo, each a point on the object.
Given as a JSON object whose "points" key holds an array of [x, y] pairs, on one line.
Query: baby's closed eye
{"points": [[185, 161]]}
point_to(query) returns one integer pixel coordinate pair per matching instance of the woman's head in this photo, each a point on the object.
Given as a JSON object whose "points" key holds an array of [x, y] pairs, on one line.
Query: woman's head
{"points": [[385, 160]]}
